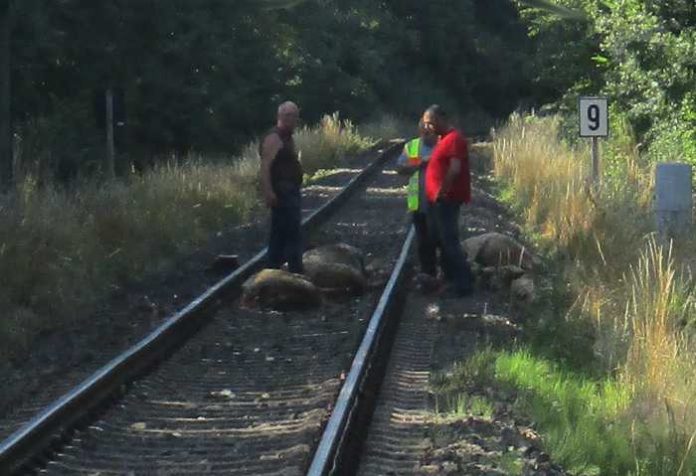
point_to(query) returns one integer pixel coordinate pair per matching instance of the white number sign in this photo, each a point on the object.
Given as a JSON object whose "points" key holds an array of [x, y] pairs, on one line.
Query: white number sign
{"points": [[594, 117]]}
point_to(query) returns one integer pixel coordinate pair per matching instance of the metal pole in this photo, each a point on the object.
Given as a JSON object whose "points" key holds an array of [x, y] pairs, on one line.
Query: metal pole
{"points": [[595, 160], [6, 165], [673, 199], [110, 146]]}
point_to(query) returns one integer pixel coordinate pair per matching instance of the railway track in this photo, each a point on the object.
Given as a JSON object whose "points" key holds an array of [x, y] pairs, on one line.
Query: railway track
{"points": [[82, 347], [247, 394], [396, 439], [219, 389]]}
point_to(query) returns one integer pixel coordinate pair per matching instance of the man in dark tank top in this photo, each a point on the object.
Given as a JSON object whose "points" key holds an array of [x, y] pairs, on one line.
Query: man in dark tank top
{"points": [[281, 183]]}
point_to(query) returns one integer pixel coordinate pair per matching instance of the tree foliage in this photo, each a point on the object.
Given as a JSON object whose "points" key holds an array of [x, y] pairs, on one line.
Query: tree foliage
{"points": [[206, 75], [641, 53]]}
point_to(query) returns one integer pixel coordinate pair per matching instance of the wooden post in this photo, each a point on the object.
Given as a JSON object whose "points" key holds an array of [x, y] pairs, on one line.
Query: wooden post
{"points": [[595, 160], [110, 146], [6, 163]]}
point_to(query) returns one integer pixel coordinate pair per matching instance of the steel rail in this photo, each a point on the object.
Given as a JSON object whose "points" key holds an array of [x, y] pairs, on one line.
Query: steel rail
{"points": [[339, 448], [57, 419]]}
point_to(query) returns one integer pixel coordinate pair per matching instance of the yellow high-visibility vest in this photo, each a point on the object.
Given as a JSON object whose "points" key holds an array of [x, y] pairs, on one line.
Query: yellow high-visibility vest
{"points": [[412, 149]]}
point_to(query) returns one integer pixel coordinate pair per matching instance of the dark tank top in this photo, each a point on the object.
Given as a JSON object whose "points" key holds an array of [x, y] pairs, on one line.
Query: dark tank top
{"points": [[286, 170]]}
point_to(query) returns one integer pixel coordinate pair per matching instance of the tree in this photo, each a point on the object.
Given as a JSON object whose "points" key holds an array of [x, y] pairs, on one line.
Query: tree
{"points": [[206, 75]]}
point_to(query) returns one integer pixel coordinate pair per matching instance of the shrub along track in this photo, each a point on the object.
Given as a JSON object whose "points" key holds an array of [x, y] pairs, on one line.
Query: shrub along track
{"points": [[249, 393]]}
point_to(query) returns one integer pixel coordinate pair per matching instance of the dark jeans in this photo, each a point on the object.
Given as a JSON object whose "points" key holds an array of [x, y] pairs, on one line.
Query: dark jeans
{"points": [[443, 220], [427, 247], [285, 242]]}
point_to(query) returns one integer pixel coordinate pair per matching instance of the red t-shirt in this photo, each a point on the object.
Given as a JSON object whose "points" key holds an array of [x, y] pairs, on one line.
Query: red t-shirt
{"points": [[452, 145]]}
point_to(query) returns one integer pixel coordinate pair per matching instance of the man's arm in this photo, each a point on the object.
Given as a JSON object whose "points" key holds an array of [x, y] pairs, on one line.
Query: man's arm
{"points": [[402, 165], [271, 145]]}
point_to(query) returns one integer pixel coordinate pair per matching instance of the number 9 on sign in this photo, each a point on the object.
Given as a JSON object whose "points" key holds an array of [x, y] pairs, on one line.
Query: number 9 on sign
{"points": [[594, 117]]}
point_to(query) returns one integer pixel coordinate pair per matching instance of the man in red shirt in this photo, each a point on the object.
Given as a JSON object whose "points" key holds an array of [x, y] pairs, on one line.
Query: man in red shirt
{"points": [[447, 186]]}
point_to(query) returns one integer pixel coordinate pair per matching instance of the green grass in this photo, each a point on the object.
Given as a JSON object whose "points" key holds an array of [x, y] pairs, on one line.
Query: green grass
{"points": [[511, 463], [589, 425], [582, 420], [461, 405]]}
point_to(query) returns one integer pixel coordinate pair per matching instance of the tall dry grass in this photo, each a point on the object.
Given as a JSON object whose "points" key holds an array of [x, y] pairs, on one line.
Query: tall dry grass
{"points": [[387, 127], [326, 144], [628, 287], [548, 180], [61, 251]]}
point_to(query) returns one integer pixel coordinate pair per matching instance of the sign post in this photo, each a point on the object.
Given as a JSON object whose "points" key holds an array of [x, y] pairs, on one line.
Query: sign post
{"points": [[110, 145], [594, 123]]}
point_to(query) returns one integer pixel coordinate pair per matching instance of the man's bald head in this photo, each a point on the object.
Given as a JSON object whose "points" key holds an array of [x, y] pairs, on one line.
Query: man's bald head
{"points": [[288, 115], [288, 107]]}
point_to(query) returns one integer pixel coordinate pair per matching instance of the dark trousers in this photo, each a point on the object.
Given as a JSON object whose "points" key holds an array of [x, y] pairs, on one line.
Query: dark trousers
{"points": [[427, 247], [443, 220], [285, 241]]}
